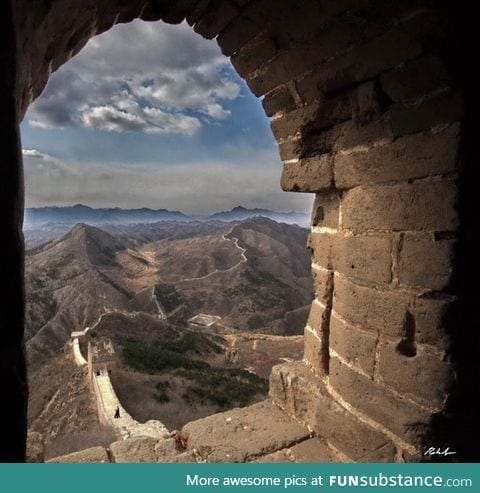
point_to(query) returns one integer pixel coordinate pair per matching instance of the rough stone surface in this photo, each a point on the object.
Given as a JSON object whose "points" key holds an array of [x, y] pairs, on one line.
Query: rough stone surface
{"points": [[322, 284], [371, 308], [308, 175], [278, 100], [218, 15], [243, 434], [423, 377], [385, 310], [298, 391], [426, 263], [311, 450], [314, 351], [254, 54], [94, 454], [318, 317], [400, 415], [425, 205], [326, 208], [149, 450], [430, 112], [359, 257], [416, 78], [363, 257], [356, 347], [414, 156]]}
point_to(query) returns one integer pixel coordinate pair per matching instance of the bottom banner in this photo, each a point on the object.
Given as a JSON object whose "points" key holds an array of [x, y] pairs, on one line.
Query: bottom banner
{"points": [[195, 478]]}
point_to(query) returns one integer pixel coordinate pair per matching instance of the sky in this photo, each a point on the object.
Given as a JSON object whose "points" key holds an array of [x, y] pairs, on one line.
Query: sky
{"points": [[152, 115]]}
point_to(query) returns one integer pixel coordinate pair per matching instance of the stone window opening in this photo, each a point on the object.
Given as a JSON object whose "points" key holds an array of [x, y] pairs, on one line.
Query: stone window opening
{"points": [[394, 187]]}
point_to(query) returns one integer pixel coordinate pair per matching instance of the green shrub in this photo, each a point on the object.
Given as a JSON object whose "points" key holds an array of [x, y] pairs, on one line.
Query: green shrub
{"points": [[168, 296], [223, 387]]}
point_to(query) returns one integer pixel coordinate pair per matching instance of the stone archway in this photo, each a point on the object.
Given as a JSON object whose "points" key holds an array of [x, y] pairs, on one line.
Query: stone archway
{"points": [[368, 113]]}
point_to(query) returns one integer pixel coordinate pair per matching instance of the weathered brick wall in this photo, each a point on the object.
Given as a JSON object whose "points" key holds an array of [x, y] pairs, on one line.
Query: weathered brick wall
{"points": [[368, 117]]}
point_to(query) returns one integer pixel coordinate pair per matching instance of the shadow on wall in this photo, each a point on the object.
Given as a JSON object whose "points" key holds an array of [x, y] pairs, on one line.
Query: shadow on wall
{"points": [[459, 429]]}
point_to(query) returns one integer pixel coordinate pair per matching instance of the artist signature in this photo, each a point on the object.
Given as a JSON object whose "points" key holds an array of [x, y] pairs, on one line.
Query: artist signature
{"points": [[438, 451]]}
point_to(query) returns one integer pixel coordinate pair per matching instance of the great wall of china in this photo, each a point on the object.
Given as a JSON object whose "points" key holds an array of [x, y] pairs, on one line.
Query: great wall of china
{"points": [[101, 361]]}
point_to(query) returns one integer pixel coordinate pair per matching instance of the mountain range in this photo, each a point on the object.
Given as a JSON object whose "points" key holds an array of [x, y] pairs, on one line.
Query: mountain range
{"points": [[79, 213], [140, 285], [254, 274]]}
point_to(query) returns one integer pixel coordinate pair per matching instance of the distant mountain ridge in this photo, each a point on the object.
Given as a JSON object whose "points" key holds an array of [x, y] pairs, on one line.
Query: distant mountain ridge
{"points": [[80, 213], [240, 213]]}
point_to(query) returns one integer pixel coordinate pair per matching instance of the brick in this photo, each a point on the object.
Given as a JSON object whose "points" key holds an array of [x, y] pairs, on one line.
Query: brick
{"points": [[398, 45], [308, 175], [217, 16], [386, 310], [426, 263], [308, 20], [370, 59], [363, 257], [317, 143], [416, 78], [367, 104], [352, 137], [362, 62], [318, 317], [402, 417], [295, 121], [424, 378], [237, 34], [442, 109], [254, 18], [425, 205], [430, 317], [278, 71], [322, 245], [241, 3], [278, 100], [89, 455], [254, 54], [175, 11], [371, 308], [325, 211], [313, 118], [300, 392], [323, 284], [196, 13], [414, 156], [313, 450], [290, 149], [356, 347], [314, 352], [243, 434]]}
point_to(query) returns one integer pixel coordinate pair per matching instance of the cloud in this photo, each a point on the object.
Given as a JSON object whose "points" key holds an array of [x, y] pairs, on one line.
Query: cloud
{"points": [[33, 153], [190, 187], [148, 120], [140, 77]]}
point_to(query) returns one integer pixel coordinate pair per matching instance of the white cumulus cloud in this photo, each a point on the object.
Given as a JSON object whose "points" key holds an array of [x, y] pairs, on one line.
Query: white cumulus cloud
{"points": [[140, 77], [33, 153]]}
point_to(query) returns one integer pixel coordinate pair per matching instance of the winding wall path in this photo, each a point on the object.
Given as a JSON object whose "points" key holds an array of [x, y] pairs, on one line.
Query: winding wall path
{"points": [[107, 402], [216, 271]]}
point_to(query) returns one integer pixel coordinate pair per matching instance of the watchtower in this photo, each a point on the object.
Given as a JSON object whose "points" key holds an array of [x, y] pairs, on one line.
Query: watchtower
{"points": [[101, 357]]}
